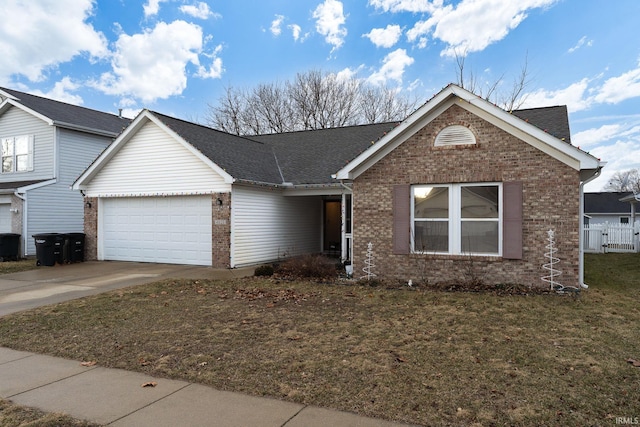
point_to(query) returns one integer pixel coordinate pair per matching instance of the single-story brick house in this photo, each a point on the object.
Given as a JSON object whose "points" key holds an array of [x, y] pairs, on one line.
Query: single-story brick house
{"points": [[459, 184]]}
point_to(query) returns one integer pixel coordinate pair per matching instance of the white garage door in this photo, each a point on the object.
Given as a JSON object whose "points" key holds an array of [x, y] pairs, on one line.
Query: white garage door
{"points": [[5, 218], [173, 230]]}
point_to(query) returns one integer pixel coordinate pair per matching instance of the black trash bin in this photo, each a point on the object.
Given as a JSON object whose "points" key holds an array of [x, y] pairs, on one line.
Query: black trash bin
{"points": [[9, 246], [48, 248], [73, 250]]}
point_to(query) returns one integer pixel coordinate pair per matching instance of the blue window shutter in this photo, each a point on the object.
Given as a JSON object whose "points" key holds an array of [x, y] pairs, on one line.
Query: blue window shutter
{"points": [[401, 219], [512, 220]]}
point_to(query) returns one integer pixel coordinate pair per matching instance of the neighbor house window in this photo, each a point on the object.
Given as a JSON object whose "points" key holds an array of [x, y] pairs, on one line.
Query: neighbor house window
{"points": [[457, 219], [17, 154], [624, 220]]}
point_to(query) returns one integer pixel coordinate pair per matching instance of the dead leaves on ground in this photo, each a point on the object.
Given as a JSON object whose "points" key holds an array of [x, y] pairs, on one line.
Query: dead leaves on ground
{"points": [[634, 362], [88, 364]]}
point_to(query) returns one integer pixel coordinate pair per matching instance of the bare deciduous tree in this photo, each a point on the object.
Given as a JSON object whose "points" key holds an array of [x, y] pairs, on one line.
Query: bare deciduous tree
{"points": [[313, 100], [622, 181], [510, 100]]}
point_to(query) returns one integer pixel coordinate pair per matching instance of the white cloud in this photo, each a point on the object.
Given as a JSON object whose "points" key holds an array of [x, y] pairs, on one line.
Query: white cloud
{"points": [[385, 37], [152, 64], [621, 88], [61, 92], [620, 156], [295, 31], [199, 10], [573, 96], [415, 6], [591, 137], [215, 70], [40, 34], [472, 25], [582, 42], [152, 7], [392, 68], [276, 25], [330, 20]]}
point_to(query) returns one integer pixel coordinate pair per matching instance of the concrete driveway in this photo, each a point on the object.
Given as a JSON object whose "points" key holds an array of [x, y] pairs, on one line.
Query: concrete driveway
{"points": [[50, 285]]}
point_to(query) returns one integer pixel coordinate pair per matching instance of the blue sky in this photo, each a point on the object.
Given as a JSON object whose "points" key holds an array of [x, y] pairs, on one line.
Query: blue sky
{"points": [[177, 56]]}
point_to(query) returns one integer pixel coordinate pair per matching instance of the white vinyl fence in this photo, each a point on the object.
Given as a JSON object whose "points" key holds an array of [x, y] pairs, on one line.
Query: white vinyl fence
{"points": [[602, 238]]}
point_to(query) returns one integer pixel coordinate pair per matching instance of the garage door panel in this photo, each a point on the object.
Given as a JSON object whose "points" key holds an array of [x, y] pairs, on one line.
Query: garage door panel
{"points": [[157, 229]]}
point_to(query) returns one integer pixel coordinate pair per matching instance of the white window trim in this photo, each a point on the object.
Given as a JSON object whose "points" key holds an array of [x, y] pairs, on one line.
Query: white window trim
{"points": [[455, 220], [29, 155]]}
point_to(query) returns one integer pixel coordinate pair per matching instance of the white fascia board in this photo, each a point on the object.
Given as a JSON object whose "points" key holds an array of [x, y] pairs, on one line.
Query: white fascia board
{"points": [[36, 185], [538, 138], [9, 102], [7, 95], [562, 151], [110, 151], [227, 178], [418, 119], [143, 118]]}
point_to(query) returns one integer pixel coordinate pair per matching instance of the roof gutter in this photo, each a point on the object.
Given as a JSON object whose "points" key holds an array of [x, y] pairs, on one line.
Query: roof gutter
{"points": [[87, 129]]}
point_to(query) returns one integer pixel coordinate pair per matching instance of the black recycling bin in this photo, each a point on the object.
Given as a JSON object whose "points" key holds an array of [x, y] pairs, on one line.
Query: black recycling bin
{"points": [[48, 248], [9, 246], [73, 250]]}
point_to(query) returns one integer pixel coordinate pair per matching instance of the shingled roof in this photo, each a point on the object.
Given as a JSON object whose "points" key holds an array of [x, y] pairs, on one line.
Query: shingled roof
{"points": [[553, 120], [71, 116], [310, 157], [606, 203], [242, 158]]}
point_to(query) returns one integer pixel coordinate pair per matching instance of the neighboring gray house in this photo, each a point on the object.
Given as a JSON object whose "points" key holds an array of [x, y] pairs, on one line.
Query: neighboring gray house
{"points": [[609, 207], [45, 146]]}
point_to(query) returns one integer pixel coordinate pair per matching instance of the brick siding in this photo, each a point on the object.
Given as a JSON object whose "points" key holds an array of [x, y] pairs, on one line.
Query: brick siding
{"points": [[550, 201], [221, 230], [90, 228]]}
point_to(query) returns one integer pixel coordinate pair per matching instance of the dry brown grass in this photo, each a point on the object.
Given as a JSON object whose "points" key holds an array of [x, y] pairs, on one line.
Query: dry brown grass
{"points": [[419, 356], [19, 416]]}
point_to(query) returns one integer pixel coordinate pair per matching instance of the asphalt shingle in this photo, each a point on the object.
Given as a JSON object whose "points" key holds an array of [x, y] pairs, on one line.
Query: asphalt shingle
{"points": [[64, 114]]}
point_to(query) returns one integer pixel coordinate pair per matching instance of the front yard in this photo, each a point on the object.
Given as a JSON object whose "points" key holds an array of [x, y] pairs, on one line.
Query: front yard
{"points": [[419, 356]]}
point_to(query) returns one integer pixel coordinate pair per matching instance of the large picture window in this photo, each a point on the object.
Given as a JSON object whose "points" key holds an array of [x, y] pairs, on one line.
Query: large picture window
{"points": [[458, 219], [17, 154]]}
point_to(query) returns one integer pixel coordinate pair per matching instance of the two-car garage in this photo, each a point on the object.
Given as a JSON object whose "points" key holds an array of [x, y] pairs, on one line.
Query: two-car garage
{"points": [[175, 230]]}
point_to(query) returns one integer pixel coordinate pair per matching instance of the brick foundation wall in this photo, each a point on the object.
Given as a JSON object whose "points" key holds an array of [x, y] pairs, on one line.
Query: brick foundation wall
{"points": [[551, 200], [221, 230], [91, 228]]}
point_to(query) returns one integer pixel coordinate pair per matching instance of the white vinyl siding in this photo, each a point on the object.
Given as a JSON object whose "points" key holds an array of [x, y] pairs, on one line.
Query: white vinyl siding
{"points": [[153, 163], [56, 208], [15, 122], [5, 217], [173, 230], [267, 226]]}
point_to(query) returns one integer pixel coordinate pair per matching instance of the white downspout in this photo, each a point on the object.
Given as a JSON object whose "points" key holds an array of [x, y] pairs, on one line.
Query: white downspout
{"points": [[581, 234]]}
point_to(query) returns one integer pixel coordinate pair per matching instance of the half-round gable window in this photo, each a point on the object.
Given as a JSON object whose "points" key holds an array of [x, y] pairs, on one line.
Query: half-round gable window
{"points": [[455, 135]]}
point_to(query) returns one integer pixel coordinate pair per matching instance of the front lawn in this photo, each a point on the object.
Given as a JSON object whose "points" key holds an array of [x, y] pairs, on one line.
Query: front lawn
{"points": [[419, 356]]}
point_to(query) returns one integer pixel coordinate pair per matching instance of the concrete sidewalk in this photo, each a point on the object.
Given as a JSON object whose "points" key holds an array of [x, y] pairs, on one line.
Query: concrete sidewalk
{"points": [[117, 398]]}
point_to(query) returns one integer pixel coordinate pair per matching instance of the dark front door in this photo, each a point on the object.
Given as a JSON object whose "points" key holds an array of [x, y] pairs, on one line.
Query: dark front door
{"points": [[332, 223]]}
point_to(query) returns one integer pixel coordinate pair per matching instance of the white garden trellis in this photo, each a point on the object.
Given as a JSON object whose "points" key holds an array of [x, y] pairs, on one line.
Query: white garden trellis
{"points": [[551, 266], [368, 263]]}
